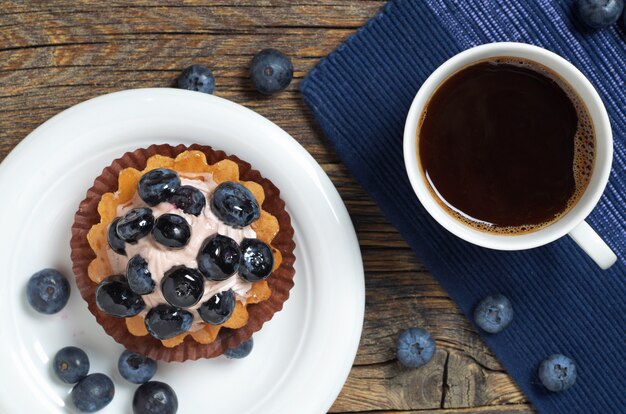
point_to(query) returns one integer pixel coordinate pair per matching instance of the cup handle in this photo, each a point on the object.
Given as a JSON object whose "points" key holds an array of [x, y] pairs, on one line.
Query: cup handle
{"points": [[593, 245]]}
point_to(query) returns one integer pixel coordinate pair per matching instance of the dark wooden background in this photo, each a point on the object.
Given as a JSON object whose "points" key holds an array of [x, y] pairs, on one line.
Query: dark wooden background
{"points": [[54, 54]]}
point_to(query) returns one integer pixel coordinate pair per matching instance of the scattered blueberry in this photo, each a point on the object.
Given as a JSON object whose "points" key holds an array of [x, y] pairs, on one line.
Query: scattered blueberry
{"points": [[257, 260], [138, 276], [93, 393], [197, 78], [182, 286], [242, 351], [47, 291], [71, 364], [234, 204], [136, 224], [158, 185], [557, 372], [115, 242], [155, 397], [136, 368], [165, 322], [415, 347], [270, 71], [219, 308], [600, 13], [189, 199], [171, 230], [493, 313], [219, 257], [114, 297]]}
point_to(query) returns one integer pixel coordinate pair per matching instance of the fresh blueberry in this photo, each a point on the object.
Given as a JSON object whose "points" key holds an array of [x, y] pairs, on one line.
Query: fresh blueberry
{"points": [[115, 297], [242, 351], [182, 286], [93, 393], [600, 13], [415, 347], [155, 397], [271, 71], [115, 242], [158, 185], [189, 199], [71, 364], [171, 230], [197, 78], [47, 291], [137, 223], [219, 308], [165, 322], [136, 368], [257, 260], [234, 204], [219, 257], [138, 276], [493, 313], [557, 372]]}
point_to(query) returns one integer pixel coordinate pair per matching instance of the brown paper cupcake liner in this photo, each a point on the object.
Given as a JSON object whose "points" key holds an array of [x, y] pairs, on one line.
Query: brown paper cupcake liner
{"points": [[280, 282]]}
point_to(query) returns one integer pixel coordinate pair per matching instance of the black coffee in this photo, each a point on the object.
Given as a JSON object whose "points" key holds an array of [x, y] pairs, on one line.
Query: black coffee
{"points": [[506, 145]]}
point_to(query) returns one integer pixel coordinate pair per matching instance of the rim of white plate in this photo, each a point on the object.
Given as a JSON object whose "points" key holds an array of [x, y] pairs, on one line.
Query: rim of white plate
{"points": [[138, 118]]}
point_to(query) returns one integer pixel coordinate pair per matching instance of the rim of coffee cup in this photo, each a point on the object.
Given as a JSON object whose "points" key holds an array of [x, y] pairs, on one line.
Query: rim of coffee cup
{"points": [[603, 146]]}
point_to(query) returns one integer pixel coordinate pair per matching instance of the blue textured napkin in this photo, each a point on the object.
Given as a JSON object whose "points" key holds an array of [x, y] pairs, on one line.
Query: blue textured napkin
{"points": [[360, 95]]}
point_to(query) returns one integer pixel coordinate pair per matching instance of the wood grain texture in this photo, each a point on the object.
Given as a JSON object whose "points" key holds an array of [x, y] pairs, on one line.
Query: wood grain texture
{"points": [[54, 54]]}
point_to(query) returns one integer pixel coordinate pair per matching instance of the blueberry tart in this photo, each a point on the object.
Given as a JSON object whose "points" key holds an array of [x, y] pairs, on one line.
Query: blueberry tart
{"points": [[182, 252]]}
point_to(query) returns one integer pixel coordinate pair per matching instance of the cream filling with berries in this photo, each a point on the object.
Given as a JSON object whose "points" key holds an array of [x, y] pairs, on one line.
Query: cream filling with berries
{"points": [[160, 258]]}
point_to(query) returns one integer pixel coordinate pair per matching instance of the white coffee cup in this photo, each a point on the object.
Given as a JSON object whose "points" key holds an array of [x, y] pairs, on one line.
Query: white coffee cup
{"points": [[573, 222]]}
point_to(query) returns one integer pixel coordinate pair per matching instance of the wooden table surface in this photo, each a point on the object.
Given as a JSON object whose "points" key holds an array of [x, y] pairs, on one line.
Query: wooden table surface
{"points": [[54, 54]]}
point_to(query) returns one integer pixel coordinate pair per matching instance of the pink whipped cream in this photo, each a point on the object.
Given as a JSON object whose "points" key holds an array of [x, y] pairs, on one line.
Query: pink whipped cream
{"points": [[160, 258]]}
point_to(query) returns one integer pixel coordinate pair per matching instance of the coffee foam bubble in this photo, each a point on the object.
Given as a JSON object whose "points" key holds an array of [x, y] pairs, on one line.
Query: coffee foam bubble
{"points": [[584, 152]]}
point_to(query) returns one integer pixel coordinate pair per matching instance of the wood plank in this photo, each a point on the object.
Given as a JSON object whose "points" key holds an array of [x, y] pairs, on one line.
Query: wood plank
{"points": [[392, 386], [399, 300], [498, 409], [449, 380], [470, 384]]}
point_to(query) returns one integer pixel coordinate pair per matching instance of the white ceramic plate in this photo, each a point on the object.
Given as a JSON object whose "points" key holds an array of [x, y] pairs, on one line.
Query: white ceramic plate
{"points": [[301, 357]]}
